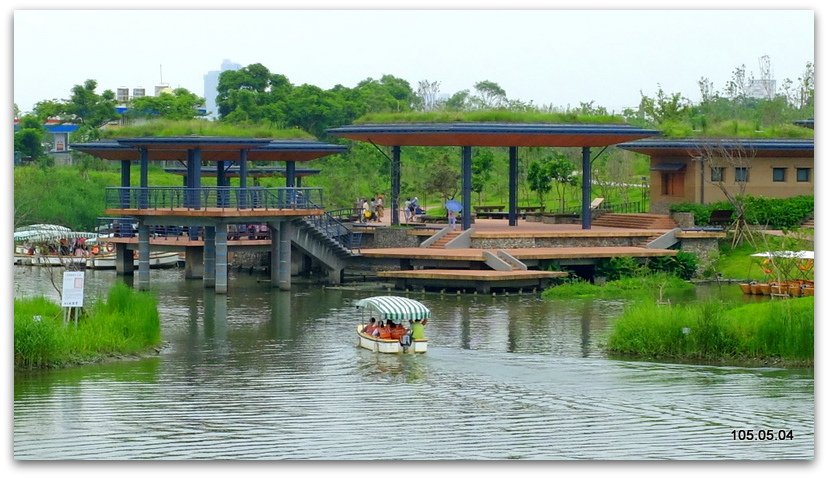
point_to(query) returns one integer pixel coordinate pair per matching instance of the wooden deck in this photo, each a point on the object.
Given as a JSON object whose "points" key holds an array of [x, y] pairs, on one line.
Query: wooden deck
{"points": [[482, 281], [527, 253]]}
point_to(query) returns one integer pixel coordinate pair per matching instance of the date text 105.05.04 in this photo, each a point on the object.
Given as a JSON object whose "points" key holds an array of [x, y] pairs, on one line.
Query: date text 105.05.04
{"points": [[762, 435]]}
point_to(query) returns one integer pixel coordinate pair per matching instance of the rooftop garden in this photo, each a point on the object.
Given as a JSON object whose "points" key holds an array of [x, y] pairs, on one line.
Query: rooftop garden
{"points": [[198, 127], [488, 116]]}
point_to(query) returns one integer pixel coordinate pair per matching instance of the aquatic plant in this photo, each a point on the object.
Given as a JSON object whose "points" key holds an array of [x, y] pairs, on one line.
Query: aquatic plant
{"points": [[713, 330], [126, 323]]}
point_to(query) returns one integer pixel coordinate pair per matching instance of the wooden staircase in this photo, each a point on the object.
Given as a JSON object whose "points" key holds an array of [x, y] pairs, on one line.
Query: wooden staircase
{"points": [[809, 224], [441, 243], [635, 221]]}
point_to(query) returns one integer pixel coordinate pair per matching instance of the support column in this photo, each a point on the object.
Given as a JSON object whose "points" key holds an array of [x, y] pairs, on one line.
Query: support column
{"points": [[466, 188], [196, 159], [143, 256], [143, 201], [290, 174], [124, 261], [395, 186], [209, 256], [513, 177], [193, 262], [284, 255], [221, 182], [586, 189], [242, 200], [274, 253], [220, 272], [125, 183]]}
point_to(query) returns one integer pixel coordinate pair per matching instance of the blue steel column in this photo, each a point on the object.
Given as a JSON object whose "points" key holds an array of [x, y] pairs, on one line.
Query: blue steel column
{"points": [[125, 183], [143, 202], [197, 177], [513, 175], [586, 189], [209, 256], [290, 182], [466, 190], [290, 174], [221, 258], [284, 255], [221, 182], [242, 201], [143, 256], [395, 186]]}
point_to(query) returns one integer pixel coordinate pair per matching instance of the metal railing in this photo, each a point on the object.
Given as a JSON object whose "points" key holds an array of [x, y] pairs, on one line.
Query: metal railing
{"points": [[334, 229], [128, 227], [624, 207], [162, 197]]}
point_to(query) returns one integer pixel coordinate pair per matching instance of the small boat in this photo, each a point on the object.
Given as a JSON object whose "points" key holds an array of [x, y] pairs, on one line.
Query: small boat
{"points": [[393, 308]]}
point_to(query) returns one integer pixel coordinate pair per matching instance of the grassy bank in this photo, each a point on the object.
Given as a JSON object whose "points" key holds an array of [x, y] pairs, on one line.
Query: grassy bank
{"points": [[645, 287], [126, 323], [770, 332]]}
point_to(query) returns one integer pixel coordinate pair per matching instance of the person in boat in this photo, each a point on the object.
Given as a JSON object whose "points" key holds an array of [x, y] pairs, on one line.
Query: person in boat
{"points": [[397, 331], [418, 329], [371, 327], [385, 330]]}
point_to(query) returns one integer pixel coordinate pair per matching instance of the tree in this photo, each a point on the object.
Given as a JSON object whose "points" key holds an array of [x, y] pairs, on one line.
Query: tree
{"points": [[442, 179], [539, 179], [459, 101], [716, 154], [489, 94], [482, 164], [89, 108], [181, 104], [28, 141], [428, 93]]}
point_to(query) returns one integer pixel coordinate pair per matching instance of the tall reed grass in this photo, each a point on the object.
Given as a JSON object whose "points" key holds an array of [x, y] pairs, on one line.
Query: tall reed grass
{"points": [[651, 286], [715, 331], [126, 323]]}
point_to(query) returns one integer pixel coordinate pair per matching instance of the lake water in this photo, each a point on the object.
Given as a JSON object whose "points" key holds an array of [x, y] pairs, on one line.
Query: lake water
{"points": [[262, 374]]}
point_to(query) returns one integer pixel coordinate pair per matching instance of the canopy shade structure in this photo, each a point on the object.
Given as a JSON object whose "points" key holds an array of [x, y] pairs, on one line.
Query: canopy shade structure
{"points": [[509, 135], [668, 167], [211, 148], [493, 134], [786, 254], [390, 307], [694, 146]]}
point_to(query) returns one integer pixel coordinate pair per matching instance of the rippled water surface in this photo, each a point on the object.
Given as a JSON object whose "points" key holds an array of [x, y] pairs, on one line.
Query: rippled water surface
{"points": [[264, 374]]}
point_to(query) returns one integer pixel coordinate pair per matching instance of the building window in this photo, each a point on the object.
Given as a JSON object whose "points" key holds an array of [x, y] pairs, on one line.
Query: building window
{"points": [[717, 175], [803, 175], [741, 175], [779, 175]]}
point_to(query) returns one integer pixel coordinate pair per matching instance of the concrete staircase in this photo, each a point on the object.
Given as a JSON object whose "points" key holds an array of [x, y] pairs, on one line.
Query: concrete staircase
{"points": [[635, 221], [441, 242]]}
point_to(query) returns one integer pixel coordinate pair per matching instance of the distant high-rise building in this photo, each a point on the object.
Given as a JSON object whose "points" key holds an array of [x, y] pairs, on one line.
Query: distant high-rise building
{"points": [[211, 80]]}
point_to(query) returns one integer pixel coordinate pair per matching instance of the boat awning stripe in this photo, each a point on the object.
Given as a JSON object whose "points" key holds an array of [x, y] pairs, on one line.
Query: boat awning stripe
{"points": [[395, 308]]}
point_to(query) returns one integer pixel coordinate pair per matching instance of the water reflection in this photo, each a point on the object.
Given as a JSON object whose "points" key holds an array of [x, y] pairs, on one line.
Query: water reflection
{"points": [[266, 374]]}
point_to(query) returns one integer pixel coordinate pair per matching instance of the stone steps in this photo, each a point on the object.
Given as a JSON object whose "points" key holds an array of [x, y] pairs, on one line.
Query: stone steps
{"points": [[635, 221]]}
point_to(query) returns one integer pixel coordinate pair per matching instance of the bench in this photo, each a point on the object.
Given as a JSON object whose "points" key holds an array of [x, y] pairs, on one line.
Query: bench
{"points": [[480, 209], [721, 217]]}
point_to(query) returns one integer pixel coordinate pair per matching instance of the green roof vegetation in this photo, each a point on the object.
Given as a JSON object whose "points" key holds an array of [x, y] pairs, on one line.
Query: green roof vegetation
{"points": [[734, 130], [197, 127], [487, 116]]}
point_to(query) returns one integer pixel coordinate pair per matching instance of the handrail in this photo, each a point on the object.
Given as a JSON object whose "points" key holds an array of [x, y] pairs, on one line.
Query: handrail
{"points": [[334, 229], [223, 197]]}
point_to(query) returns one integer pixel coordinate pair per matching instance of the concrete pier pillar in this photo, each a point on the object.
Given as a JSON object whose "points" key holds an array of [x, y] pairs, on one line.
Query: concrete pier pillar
{"points": [[194, 262], [274, 253], [124, 262], [143, 257], [220, 264], [284, 255], [209, 257]]}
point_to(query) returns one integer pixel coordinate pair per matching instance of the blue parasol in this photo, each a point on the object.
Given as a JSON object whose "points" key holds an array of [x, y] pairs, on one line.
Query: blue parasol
{"points": [[453, 206]]}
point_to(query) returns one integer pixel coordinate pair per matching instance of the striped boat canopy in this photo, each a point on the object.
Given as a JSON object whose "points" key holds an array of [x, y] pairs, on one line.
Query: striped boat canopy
{"points": [[394, 308]]}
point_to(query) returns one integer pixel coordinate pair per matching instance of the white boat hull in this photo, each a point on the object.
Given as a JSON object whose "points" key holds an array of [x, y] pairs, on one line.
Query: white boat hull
{"points": [[157, 260], [388, 346]]}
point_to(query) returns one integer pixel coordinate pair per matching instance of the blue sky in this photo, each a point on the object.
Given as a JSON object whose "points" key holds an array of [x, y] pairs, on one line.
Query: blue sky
{"points": [[558, 57]]}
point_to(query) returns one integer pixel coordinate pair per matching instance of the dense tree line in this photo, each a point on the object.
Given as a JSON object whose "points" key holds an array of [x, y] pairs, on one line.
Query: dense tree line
{"points": [[254, 96]]}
